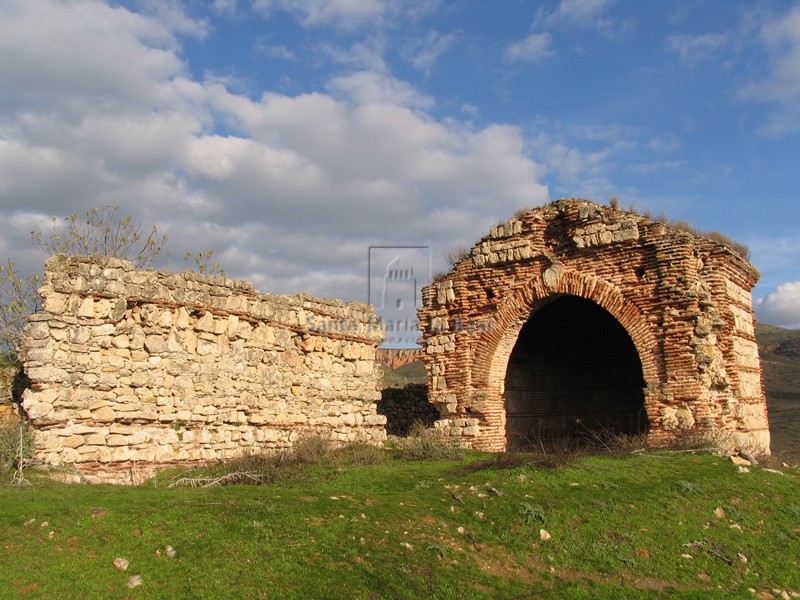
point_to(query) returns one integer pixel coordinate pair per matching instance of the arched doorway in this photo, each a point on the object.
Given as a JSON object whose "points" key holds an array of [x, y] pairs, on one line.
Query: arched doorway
{"points": [[573, 369]]}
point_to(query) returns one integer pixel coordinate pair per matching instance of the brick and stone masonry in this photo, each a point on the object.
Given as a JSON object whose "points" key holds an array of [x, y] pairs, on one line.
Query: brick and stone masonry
{"points": [[131, 371], [576, 316]]}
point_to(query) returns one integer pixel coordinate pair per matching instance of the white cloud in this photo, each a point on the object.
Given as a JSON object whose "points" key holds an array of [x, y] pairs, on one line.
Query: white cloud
{"points": [[780, 34], [367, 87], [271, 51], [666, 142], [99, 107], [781, 306], [470, 109], [227, 7], [423, 53], [652, 168], [346, 14], [534, 48], [82, 51], [693, 50], [366, 55], [577, 12]]}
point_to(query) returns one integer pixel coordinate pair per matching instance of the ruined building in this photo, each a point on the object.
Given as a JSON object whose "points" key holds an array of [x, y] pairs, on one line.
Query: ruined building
{"points": [[576, 316], [131, 371]]}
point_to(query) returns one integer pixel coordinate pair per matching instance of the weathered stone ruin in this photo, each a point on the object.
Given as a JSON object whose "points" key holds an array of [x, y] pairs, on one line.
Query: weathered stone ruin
{"points": [[131, 371], [575, 316]]}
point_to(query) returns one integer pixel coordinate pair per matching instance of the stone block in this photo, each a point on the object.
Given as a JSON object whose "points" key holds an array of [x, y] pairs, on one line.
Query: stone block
{"points": [[104, 414]]}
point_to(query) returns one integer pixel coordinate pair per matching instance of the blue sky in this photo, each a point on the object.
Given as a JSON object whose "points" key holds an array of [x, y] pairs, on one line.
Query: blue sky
{"points": [[290, 136]]}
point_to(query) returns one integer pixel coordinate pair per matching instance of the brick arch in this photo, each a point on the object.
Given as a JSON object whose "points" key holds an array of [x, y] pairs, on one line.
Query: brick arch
{"points": [[493, 350]]}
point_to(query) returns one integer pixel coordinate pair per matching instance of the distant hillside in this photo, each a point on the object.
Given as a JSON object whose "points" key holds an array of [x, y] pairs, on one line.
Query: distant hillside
{"points": [[394, 358], [780, 360], [413, 372]]}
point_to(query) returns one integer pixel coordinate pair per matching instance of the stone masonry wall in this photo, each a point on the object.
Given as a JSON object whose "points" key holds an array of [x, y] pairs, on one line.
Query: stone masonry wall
{"points": [[134, 370], [683, 300], [405, 406]]}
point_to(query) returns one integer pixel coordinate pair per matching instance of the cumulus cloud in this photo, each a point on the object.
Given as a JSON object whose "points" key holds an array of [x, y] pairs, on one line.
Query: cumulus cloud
{"points": [[368, 87], [288, 190], [781, 306], [534, 48], [780, 35]]}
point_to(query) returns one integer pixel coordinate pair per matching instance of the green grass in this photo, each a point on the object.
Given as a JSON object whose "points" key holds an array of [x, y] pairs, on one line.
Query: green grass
{"points": [[466, 528]]}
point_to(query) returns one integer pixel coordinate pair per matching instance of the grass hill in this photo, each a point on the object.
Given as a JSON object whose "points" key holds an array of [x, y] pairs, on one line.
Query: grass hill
{"points": [[652, 525]]}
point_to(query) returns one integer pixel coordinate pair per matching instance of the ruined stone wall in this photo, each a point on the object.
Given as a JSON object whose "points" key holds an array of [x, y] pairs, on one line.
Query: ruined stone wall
{"points": [[405, 406], [683, 300], [135, 370]]}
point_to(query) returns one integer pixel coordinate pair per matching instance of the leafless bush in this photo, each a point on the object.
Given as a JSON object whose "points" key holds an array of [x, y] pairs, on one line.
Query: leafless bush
{"points": [[423, 443], [456, 255]]}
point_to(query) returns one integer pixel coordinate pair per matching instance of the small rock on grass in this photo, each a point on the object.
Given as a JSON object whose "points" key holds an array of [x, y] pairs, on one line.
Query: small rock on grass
{"points": [[121, 564], [543, 535], [135, 581], [719, 512], [170, 551]]}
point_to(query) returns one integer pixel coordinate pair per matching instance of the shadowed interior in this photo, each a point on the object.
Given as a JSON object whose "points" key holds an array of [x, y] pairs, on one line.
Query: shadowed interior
{"points": [[573, 371]]}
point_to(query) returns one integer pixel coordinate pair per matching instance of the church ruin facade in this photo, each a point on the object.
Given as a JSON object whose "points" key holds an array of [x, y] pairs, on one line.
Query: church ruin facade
{"points": [[575, 316]]}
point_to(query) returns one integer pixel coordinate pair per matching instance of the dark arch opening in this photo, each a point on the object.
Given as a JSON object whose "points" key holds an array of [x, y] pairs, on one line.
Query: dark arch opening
{"points": [[573, 372]]}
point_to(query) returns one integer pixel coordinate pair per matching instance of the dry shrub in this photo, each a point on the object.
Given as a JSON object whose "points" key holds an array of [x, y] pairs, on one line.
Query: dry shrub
{"points": [[456, 255], [311, 449], [423, 443], [522, 211], [362, 454], [16, 443], [270, 466]]}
